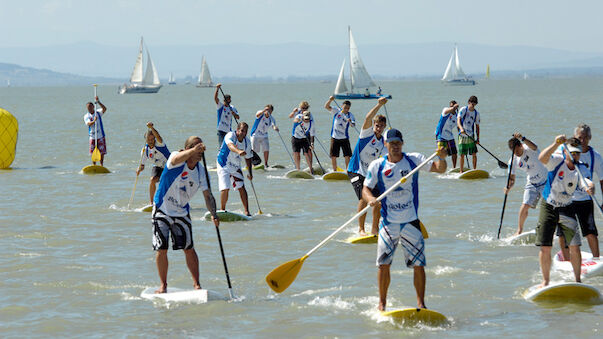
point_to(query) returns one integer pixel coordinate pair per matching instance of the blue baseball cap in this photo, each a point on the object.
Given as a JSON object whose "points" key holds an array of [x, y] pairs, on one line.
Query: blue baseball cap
{"points": [[393, 135]]}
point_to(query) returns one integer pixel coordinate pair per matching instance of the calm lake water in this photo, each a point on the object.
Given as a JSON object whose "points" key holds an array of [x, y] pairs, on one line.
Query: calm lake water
{"points": [[74, 259]]}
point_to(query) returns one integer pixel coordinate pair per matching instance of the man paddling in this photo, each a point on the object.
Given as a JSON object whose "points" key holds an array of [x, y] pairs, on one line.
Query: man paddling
{"points": [[340, 138], [468, 117], [369, 147], [259, 131], [443, 132], [556, 209], [526, 158], [400, 221], [93, 119], [155, 152], [230, 176], [183, 177], [225, 113], [302, 139]]}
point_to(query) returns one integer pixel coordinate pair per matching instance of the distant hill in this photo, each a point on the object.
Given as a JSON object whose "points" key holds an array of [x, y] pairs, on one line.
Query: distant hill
{"points": [[27, 76]]}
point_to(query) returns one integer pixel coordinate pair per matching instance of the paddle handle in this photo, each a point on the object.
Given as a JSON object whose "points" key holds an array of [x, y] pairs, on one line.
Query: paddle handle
{"points": [[286, 149], [368, 206], [502, 213]]}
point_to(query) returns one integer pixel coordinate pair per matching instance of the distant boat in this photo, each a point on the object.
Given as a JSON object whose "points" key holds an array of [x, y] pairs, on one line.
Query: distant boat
{"points": [[7, 82], [359, 77], [171, 80], [149, 83], [488, 72], [204, 77], [525, 76], [454, 74]]}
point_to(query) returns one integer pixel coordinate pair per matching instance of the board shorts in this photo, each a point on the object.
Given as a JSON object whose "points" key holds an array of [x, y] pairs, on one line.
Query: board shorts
{"points": [[221, 135], [408, 235], [259, 144], [180, 229], [228, 180], [586, 217], [100, 143], [466, 145], [156, 172], [357, 182], [300, 144], [562, 218], [532, 194], [343, 144], [448, 145]]}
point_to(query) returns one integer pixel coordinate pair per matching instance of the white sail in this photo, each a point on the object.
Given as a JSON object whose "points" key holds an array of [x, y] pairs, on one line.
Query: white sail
{"points": [[150, 77], [171, 78], [204, 76], [137, 72], [458, 71], [341, 88], [359, 75], [448, 73], [454, 70]]}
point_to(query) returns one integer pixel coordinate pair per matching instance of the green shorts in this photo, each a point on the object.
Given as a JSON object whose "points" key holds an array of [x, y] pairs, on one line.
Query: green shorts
{"points": [[466, 145], [552, 217]]}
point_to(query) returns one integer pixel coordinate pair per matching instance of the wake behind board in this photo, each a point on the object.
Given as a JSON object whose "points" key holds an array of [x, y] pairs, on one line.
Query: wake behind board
{"points": [[474, 174], [563, 292], [295, 174], [412, 316], [181, 295], [589, 268], [228, 216], [528, 237], [365, 239], [332, 176], [95, 169]]}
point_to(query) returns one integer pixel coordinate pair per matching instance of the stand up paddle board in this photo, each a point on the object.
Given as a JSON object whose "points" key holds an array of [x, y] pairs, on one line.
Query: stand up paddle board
{"points": [[563, 292], [417, 315], [474, 174], [317, 170], [457, 169], [365, 239], [147, 208], [95, 169], [331, 176], [528, 237], [277, 166], [181, 295], [295, 174], [256, 167], [227, 216], [589, 268]]}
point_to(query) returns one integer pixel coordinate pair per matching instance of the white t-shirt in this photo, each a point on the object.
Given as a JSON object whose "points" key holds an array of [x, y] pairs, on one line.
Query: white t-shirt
{"points": [[225, 117], [588, 170], [262, 125], [528, 162], [298, 131], [340, 125], [468, 118], [561, 182], [157, 155], [445, 126], [368, 148], [231, 161], [96, 130]]}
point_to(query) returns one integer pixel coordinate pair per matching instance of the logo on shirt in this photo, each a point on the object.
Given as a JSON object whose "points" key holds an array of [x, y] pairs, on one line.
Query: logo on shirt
{"points": [[151, 155], [521, 164], [388, 173], [373, 141], [560, 175], [184, 175]]}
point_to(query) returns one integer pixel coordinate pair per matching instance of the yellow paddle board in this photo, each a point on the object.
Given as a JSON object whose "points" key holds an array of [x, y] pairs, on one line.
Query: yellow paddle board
{"points": [[563, 292], [228, 216], [335, 176], [95, 169], [9, 129], [366, 239], [147, 208], [474, 174], [295, 174], [410, 316]]}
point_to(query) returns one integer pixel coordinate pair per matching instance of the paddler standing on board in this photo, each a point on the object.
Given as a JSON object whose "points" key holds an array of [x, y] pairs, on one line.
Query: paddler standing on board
{"points": [[181, 179], [399, 217], [443, 132], [235, 145], [302, 138], [369, 147], [340, 138], [96, 131], [259, 131], [468, 117], [526, 158], [225, 113], [155, 152], [556, 209]]}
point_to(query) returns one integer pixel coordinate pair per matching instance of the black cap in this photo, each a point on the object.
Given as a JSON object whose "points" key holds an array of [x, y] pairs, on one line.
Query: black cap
{"points": [[393, 135]]}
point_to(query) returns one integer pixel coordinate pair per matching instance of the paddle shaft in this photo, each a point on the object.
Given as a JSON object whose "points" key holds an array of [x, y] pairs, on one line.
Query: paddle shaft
{"points": [[354, 125], [502, 213], [368, 206], [136, 180], [224, 96], [389, 122], [500, 163], [255, 195], [218, 233], [286, 149], [95, 125], [301, 124]]}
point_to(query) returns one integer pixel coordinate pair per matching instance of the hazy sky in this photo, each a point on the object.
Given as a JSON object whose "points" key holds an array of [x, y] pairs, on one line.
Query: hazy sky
{"points": [[550, 23]]}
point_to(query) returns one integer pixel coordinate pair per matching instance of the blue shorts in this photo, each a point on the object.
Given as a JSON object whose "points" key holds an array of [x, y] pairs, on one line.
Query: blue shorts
{"points": [[408, 235]]}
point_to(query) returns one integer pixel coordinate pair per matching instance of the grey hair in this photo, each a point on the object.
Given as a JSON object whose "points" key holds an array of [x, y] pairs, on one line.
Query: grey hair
{"points": [[583, 128]]}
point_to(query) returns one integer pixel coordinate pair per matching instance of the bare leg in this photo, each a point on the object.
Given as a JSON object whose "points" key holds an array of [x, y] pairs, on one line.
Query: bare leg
{"points": [[474, 160], [383, 279], [347, 162], [223, 198], [192, 262], [564, 250], [593, 243], [309, 161], [244, 200], [296, 159], [361, 204], [376, 217], [334, 163], [161, 259], [523, 214], [453, 160], [545, 264], [462, 163], [266, 158], [153, 188], [419, 282], [576, 260], [102, 161]]}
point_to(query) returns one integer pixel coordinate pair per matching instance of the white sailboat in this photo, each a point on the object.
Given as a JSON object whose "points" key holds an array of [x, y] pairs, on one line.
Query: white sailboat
{"points": [[525, 76], [171, 79], [204, 77], [454, 74], [360, 79], [149, 83]]}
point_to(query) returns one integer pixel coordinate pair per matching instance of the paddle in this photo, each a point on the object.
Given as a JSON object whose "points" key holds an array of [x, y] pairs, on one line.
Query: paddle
{"points": [[354, 125], [500, 163], [224, 96], [96, 156], [281, 277], [286, 149], [389, 122], [136, 180], [213, 212], [502, 213], [255, 194]]}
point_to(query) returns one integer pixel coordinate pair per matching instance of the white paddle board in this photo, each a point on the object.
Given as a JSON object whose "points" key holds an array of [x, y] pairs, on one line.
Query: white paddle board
{"points": [[590, 267], [364, 239], [180, 295], [410, 316], [528, 237], [228, 216], [95, 169], [563, 292], [295, 174], [474, 174]]}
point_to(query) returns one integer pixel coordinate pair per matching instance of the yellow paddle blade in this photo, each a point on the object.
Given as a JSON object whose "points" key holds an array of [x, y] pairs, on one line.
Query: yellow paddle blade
{"points": [[96, 156], [281, 277], [423, 230], [339, 169]]}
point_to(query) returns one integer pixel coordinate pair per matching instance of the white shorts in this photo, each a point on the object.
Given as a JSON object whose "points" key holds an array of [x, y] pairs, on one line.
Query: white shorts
{"points": [[532, 193], [230, 180], [407, 234], [260, 144]]}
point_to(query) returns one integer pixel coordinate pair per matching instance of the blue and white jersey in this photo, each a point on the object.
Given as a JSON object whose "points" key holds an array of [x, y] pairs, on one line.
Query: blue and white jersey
{"points": [[262, 125], [229, 160], [561, 181], [177, 186], [468, 119], [402, 204], [445, 126], [225, 117], [368, 148], [95, 131], [157, 155], [340, 125], [299, 127], [590, 163], [528, 162]]}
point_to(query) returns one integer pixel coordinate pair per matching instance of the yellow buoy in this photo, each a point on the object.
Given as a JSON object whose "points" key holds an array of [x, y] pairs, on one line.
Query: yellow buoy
{"points": [[9, 128]]}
